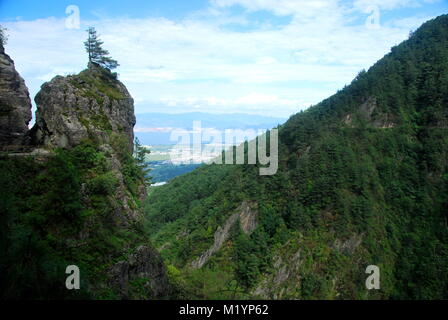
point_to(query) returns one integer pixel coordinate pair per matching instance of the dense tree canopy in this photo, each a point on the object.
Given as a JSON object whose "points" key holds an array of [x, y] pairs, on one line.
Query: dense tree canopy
{"points": [[362, 179]]}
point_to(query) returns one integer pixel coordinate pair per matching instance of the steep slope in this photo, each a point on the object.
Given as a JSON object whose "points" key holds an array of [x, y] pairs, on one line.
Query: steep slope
{"points": [[15, 104], [90, 104], [75, 198], [362, 181]]}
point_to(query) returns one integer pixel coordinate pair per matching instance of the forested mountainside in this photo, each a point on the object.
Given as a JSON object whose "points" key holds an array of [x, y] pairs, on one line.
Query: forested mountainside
{"points": [[72, 192], [362, 181]]}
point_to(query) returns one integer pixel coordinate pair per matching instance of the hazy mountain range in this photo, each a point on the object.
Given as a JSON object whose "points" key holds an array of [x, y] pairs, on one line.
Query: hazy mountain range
{"points": [[156, 128]]}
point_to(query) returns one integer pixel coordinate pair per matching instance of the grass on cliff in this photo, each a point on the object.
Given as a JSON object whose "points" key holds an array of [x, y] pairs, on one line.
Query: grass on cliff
{"points": [[97, 84]]}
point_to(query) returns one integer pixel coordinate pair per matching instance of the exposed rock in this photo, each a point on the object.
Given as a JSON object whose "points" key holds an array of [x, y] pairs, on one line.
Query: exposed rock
{"points": [[368, 111], [126, 211], [144, 265], [348, 246], [92, 104], [248, 218], [367, 108], [221, 235], [95, 107], [248, 222], [15, 105], [275, 285], [348, 119], [281, 282]]}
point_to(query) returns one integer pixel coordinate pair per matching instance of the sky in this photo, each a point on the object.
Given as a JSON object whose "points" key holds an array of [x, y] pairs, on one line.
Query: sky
{"points": [[268, 57]]}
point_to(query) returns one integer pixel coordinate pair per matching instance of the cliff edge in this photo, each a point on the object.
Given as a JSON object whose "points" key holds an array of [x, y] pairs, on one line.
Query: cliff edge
{"points": [[15, 105], [79, 205]]}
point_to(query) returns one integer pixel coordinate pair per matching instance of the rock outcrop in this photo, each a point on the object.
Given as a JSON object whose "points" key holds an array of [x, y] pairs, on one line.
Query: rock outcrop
{"points": [[15, 105], [91, 110], [144, 265], [92, 104], [285, 270], [370, 113], [248, 218], [95, 106]]}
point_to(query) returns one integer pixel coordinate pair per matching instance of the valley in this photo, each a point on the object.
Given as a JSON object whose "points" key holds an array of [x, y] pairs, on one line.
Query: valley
{"points": [[180, 177]]}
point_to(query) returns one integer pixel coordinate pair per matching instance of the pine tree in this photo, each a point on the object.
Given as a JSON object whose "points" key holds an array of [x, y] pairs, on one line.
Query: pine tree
{"points": [[3, 36], [96, 53], [140, 153]]}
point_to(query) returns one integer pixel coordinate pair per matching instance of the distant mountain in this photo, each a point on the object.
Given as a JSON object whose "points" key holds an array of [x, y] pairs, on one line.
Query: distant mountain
{"points": [[155, 128], [361, 189]]}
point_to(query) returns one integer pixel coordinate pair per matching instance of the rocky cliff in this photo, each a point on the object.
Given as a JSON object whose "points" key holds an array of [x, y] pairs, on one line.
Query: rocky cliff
{"points": [[15, 105], [84, 205], [92, 104], [246, 215]]}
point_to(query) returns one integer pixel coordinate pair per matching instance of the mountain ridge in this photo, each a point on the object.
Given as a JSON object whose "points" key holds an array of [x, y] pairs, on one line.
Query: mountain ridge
{"points": [[74, 197], [156, 128], [362, 181]]}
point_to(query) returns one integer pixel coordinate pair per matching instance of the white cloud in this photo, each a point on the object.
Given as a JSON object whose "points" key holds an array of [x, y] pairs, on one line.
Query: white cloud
{"points": [[282, 7], [249, 102], [316, 7], [410, 23], [198, 63], [266, 60], [390, 4], [161, 129]]}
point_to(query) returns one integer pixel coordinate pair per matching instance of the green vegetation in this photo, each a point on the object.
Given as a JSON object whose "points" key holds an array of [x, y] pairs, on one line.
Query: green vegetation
{"points": [[140, 154], [162, 171], [61, 212], [101, 84], [3, 36], [362, 180], [82, 204]]}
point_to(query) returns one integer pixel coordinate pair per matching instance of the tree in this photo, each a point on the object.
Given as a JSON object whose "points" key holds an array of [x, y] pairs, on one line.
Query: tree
{"points": [[3, 36], [140, 153], [96, 53]]}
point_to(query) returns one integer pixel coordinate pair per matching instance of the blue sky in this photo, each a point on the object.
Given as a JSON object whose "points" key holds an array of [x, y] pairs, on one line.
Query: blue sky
{"points": [[29, 9], [269, 57]]}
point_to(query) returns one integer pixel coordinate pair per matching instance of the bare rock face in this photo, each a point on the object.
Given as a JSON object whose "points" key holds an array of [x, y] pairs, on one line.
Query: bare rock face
{"points": [[369, 112], [277, 285], [349, 246], [246, 214], [15, 105], [146, 268], [92, 104], [248, 217], [95, 107], [221, 235]]}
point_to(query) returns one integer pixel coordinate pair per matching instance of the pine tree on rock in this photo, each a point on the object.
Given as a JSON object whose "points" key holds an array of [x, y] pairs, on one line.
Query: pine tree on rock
{"points": [[3, 36], [97, 54]]}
